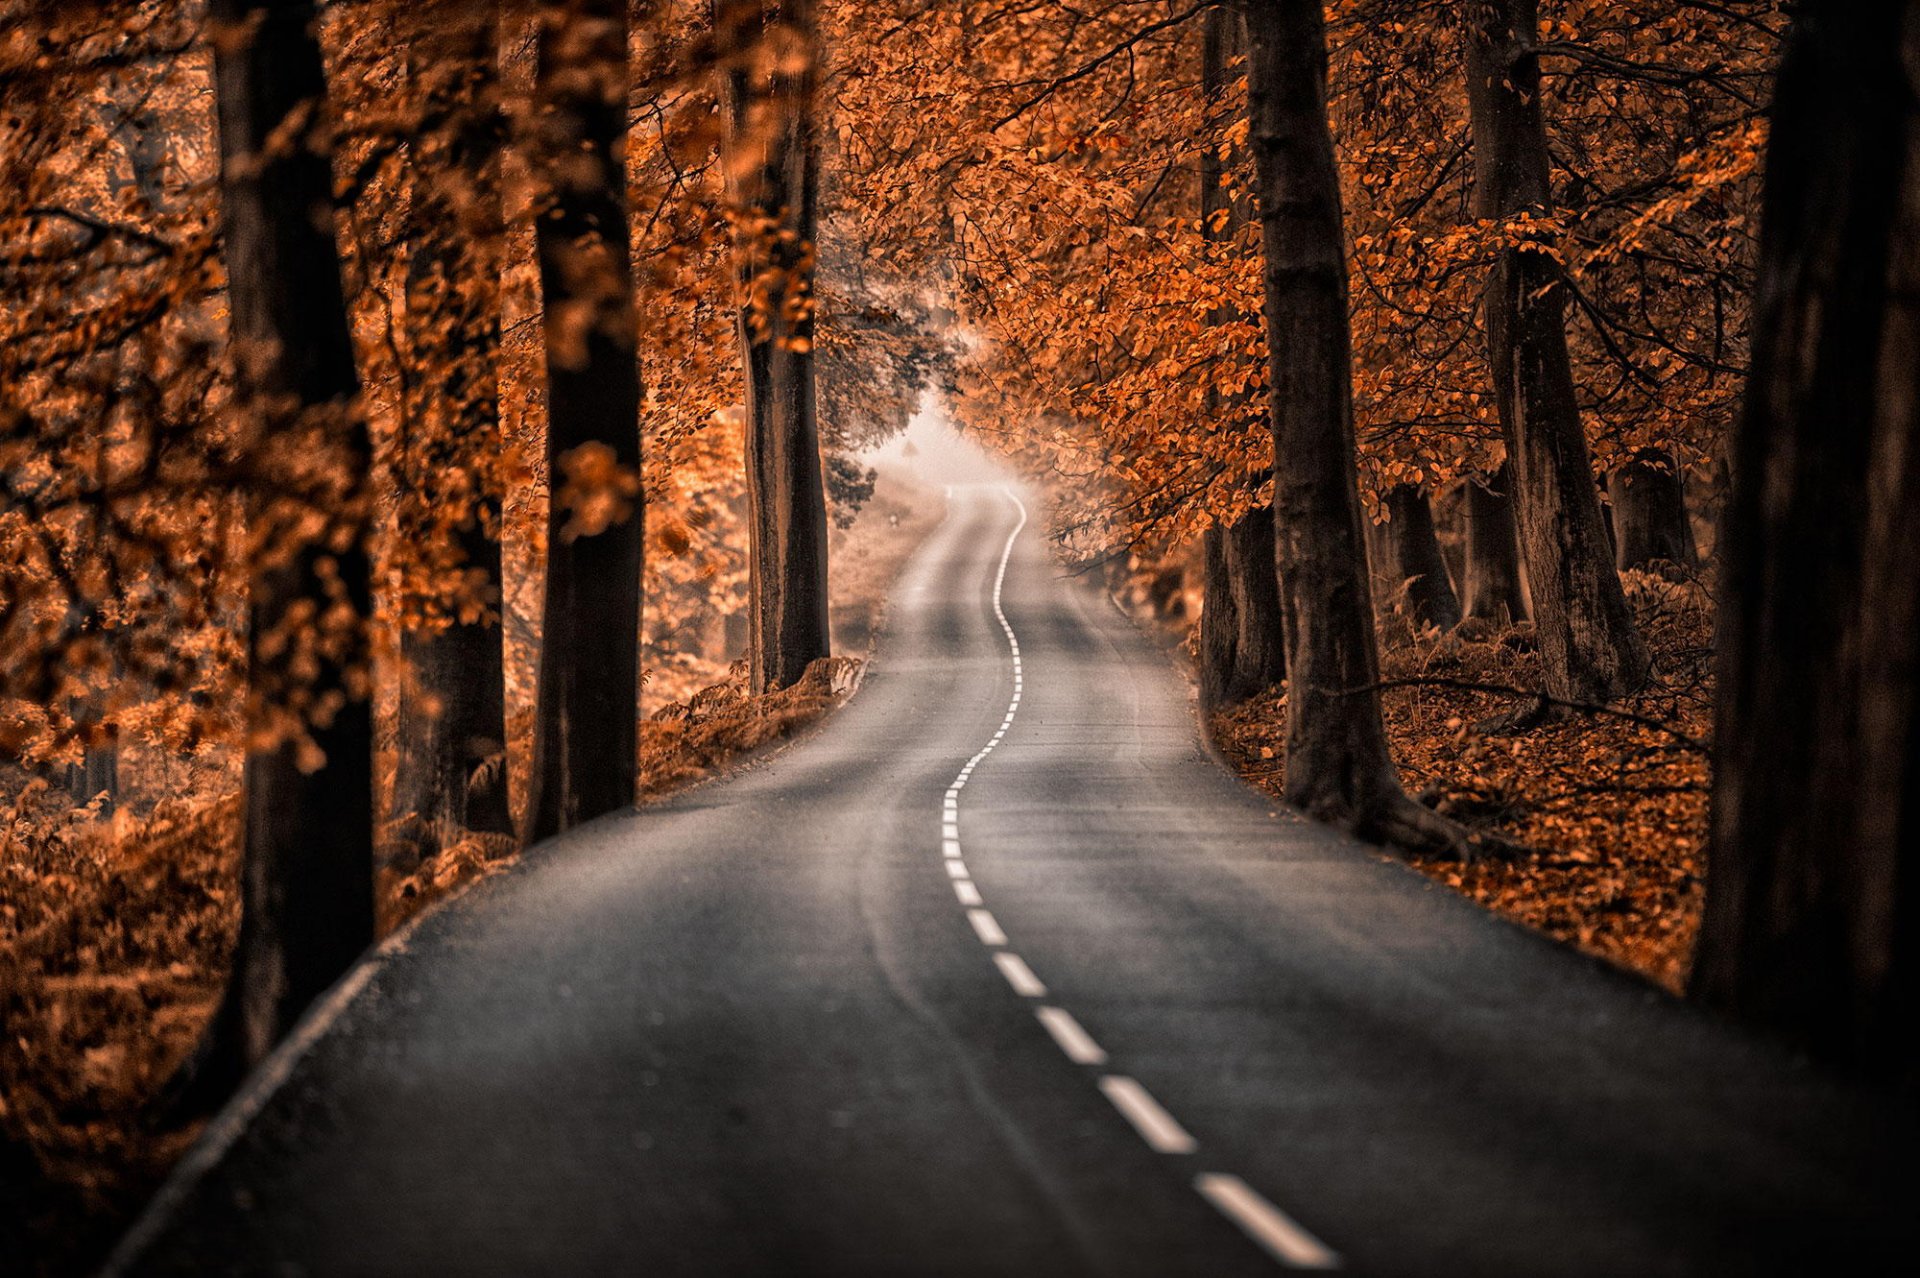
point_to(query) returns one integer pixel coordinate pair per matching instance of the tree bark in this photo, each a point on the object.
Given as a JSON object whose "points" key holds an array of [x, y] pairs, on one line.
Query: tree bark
{"points": [[771, 153], [1590, 649], [451, 773], [1338, 769], [1408, 553], [1242, 637], [1496, 592], [1242, 645], [1809, 924], [585, 742], [307, 868], [1650, 523]]}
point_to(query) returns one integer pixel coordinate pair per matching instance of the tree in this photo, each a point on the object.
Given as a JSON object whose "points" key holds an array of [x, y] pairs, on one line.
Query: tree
{"points": [[585, 742], [1814, 845], [451, 773], [307, 868], [1408, 551], [1590, 649], [1493, 586], [1242, 642], [1650, 523], [771, 152], [1338, 768]]}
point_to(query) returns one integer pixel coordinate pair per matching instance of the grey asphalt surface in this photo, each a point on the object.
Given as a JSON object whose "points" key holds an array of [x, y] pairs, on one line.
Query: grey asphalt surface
{"points": [[753, 1031]]}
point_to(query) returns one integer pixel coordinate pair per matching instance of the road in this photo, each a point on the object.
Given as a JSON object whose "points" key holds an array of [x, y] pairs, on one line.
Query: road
{"points": [[888, 1002]]}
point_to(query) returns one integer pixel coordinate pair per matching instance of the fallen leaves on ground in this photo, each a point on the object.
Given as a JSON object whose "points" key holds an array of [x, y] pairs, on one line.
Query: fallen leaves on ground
{"points": [[1616, 808]]}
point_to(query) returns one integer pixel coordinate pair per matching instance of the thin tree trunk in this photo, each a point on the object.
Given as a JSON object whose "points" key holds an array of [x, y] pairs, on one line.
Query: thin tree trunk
{"points": [[1494, 586], [772, 163], [1809, 924], [98, 772], [1650, 523], [452, 773], [1337, 768], [307, 869], [585, 737], [1242, 644], [1407, 551], [1590, 649]]}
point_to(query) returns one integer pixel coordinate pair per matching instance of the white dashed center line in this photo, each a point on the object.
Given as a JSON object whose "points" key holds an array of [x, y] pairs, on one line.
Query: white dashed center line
{"points": [[1270, 1228], [988, 929], [1156, 1126], [1266, 1224], [1019, 975], [1074, 1041]]}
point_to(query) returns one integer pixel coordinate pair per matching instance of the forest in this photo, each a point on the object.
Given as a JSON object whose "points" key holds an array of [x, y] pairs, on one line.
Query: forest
{"points": [[429, 430]]}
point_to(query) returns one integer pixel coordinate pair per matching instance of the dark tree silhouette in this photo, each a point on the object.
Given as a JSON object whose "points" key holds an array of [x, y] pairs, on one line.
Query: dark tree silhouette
{"points": [[1590, 649], [452, 773], [307, 870], [1809, 920], [585, 737], [1406, 551], [1338, 768], [1242, 642], [772, 162], [1493, 586]]}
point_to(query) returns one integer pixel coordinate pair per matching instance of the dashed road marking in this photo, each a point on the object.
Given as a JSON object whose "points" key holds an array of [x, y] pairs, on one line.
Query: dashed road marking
{"points": [[1019, 975], [1162, 1132], [1278, 1233], [986, 927], [1273, 1230], [1073, 1040]]}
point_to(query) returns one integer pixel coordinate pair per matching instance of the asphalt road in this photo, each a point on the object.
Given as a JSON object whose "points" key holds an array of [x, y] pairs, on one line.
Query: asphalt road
{"points": [[1106, 1012]]}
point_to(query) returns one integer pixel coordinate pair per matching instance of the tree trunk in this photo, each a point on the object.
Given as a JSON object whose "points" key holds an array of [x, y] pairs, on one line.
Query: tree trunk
{"points": [[452, 773], [307, 869], [1408, 553], [1650, 522], [1590, 649], [98, 772], [1338, 769], [1495, 590], [772, 163], [1242, 638], [1815, 844], [585, 737]]}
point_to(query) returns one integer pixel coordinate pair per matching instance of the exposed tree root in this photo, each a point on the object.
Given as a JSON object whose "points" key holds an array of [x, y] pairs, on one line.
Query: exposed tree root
{"points": [[1398, 821]]}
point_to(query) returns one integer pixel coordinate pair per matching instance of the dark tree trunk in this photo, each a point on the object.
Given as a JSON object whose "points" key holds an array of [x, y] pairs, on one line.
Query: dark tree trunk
{"points": [[1338, 769], [1242, 638], [1408, 559], [451, 773], [772, 162], [1650, 523], [1495, 592], [1809, 924], [307, 869], [585, 737], [1590, 649], [97, 774]]}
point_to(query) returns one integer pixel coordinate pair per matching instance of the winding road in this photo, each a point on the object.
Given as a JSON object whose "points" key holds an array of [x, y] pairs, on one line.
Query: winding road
{"points": [[998, 972]]}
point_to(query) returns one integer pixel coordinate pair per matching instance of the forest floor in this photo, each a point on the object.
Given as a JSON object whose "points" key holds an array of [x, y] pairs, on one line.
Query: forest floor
{"points": [[1616, 807], [115, 933]]}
